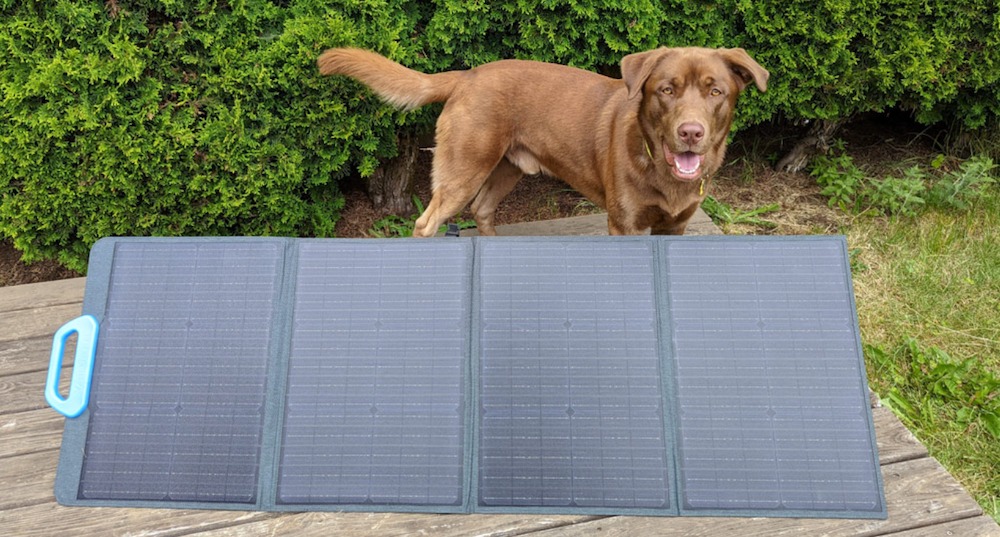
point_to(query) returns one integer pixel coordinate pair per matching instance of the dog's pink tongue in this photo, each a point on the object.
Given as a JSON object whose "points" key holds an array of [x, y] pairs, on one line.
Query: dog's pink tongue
{"points": [[687, 161]]}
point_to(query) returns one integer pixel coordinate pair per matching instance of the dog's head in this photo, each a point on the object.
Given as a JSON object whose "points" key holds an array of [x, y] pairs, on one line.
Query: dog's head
{"points": [[687, 101]]}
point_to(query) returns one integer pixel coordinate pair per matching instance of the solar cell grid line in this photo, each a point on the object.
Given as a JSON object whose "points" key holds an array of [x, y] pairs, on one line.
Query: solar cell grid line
{"points": [[772, 411], [570, 412], [176, 408], [375, 405]]}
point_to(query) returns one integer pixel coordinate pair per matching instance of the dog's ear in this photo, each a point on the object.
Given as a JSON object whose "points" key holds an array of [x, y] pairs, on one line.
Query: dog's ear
{"points": [[637, 67], [745, 67]]}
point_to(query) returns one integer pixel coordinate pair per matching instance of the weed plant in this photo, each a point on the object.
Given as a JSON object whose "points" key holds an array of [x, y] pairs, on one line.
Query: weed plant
{"points": [[398, 226], [723, 214], [851, 189]]}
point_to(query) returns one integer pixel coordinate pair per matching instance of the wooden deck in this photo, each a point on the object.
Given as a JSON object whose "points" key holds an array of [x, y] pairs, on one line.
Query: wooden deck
{"points": [[923, 499]]}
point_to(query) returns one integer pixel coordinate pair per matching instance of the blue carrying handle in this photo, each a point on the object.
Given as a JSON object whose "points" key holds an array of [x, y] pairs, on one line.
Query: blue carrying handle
{"points": [[86, 329]]}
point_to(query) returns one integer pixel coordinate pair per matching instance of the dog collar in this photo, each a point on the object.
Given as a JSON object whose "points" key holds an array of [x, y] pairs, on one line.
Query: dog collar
{"points": [[701, 187]]}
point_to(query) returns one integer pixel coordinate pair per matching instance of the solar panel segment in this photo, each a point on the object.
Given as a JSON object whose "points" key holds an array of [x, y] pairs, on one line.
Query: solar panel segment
{"points": [[177, 400], [571, 409], [375, 407], [771, 404]]}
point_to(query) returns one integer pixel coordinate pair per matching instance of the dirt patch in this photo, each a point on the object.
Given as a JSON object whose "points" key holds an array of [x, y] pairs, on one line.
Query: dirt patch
{"points": [[879, 144], [801, 207], [14, 272]]}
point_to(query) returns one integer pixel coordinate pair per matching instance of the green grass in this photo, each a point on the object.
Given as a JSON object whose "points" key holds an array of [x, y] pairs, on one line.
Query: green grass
{"points": [[725, 215], [928, 295]]}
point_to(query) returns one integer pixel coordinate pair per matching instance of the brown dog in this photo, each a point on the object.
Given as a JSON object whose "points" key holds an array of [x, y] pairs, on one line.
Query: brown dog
{"points": [[641, 147]]}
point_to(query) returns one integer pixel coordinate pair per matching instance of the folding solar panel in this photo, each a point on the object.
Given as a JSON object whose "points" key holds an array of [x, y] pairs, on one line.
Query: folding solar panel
{"points": [[571, 410], [375, 405], [176, 411], [641, 375], [770, 412]]}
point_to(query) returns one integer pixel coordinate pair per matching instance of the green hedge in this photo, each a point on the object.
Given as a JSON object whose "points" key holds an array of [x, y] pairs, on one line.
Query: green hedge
{"points": [[204, 117], [182, 118], [833, 59], [830, 59]]}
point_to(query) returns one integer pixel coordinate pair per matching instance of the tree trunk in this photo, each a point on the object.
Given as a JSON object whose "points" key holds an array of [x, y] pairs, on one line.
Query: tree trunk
{"points": [[391, 186], [815, 142]]}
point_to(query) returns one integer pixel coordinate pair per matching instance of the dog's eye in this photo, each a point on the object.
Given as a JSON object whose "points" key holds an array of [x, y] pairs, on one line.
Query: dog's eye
{"points": [[716, 92], [668, 90]]}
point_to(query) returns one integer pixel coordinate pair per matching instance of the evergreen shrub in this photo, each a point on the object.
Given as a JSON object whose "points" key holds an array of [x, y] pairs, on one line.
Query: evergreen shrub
{"points": [[204, 117]]}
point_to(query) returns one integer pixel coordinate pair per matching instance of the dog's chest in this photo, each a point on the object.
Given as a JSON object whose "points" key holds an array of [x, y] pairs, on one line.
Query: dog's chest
{"points": [[658, 205]]}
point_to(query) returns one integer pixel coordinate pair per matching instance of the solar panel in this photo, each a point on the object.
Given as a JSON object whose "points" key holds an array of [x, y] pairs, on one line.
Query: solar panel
{"points": [[376, 399], [571, 411], [771, 404], [641, 375], [177, 400]]}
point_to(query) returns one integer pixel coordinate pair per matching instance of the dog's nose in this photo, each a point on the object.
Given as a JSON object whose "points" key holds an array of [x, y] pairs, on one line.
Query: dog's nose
{"points": [[691, 132]]}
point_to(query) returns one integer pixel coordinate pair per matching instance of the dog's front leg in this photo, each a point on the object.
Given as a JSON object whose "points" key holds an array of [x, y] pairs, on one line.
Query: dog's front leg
{"points": [[672, 229], [670, 225], [618, 227]]}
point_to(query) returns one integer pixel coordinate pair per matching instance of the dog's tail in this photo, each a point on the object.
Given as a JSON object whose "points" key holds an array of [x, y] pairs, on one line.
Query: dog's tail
{"points": [[399, 86]]}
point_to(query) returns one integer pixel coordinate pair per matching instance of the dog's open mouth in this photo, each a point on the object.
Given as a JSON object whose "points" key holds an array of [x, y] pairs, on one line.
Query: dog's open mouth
{"points": [[686, 166]]}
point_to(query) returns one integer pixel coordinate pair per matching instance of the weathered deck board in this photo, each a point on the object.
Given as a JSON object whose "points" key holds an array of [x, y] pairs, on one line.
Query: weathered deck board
{"points": [[923, 499], [980, 526], [895, 442], [36, 322], [24, 391], [28, 355], [40, 295], [23, 479], [590, 225], [325, 524], [29, 432], [48, 519]]}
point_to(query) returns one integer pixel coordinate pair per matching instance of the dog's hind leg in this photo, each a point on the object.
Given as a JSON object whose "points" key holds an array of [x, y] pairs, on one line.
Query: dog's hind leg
{"points": [[503, 179], [464, 161], [455, 182], [437, 212]]}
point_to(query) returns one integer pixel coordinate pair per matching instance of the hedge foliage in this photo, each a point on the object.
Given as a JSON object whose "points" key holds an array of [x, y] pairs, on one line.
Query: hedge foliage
{"points": [[184, 117]]}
